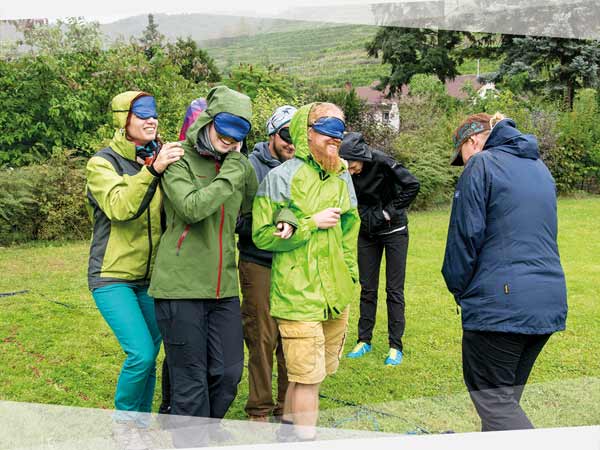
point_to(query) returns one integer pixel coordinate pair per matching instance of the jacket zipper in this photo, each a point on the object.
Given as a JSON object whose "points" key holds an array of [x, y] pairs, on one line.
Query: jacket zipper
{"points": [[149, 244], [218, 293], [181, 238]]}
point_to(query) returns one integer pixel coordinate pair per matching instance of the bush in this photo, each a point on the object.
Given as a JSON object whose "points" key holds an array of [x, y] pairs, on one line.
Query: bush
{"points": [[263, 106], [57, 96], [425, 149], [577, 162], [44, 201]]}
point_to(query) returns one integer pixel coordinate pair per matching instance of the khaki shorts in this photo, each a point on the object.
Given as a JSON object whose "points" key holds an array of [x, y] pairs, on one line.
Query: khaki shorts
{"points": [[313, 349]]}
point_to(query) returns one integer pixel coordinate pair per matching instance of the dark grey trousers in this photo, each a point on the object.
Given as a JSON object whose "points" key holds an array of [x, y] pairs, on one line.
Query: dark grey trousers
{"points": [[496, 367]]}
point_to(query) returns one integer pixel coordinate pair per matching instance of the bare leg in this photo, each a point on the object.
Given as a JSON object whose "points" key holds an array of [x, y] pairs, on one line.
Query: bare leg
{"points": [[305, 408]]}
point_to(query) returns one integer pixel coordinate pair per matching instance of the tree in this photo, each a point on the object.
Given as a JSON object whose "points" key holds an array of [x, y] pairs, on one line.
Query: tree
{"points": [[152, 40], [57, 95], [249, 78], [194, 63], [353, 106], [416, 50], [558, 67]]}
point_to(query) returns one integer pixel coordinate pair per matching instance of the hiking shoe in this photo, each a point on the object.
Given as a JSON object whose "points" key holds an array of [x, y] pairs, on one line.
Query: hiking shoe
{"points": [[394, 357], [359, 350]]}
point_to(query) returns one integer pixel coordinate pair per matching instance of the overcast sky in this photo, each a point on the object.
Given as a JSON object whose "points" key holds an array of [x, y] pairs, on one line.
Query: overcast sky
{"points": [[111, 10]]}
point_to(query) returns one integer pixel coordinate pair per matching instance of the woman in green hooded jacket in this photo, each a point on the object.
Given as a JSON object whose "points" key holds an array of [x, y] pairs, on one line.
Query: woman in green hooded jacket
{"points": [[123, 201], [195, 280]]}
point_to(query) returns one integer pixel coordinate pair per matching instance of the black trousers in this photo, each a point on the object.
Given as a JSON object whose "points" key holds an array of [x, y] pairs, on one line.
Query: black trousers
{"points": [[496, 367], [165, 404], [370, 251], [205, 353]]}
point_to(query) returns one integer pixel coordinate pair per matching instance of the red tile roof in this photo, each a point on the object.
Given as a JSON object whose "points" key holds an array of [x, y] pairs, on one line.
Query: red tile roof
{"points": [[374, 97]]}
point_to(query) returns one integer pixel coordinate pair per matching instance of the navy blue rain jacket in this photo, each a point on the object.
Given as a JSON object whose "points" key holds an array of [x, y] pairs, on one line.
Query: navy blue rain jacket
{"points": [[502, 262]]}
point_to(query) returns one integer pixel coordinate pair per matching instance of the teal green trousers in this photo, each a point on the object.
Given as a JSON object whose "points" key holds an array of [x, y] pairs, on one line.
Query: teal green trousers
{"points": [[129, 311]]}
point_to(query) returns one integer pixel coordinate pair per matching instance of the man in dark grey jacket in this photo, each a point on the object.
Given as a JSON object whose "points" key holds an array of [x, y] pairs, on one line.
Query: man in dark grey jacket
{"points": [[260, 329]]}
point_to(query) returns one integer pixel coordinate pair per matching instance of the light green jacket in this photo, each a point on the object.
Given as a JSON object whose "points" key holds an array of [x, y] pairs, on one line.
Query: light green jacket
{"points": [[314, 273], [123, 201]]}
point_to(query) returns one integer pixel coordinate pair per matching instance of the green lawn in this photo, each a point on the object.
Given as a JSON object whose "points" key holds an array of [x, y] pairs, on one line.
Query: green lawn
{"points": [[65, 353]]}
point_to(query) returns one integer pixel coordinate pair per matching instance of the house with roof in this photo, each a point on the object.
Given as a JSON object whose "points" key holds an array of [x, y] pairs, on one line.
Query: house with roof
{"points": [[385, 110]]}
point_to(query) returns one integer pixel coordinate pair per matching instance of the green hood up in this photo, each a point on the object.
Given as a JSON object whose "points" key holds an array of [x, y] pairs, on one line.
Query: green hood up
{"points": [[121, 107], [203, 198], [299, 133], [219, 99], [314, 273]]}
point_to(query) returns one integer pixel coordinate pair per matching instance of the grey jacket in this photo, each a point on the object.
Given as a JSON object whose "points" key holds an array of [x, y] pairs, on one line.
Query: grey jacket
{"points": [[262, 161]]}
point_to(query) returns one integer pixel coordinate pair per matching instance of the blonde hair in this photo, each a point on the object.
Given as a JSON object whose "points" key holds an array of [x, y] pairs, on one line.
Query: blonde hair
{"points": [[322, 109], [481, 123]]}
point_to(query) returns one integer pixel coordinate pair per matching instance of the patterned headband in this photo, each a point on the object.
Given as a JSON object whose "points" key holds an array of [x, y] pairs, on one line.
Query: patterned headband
{"points": [[466, 131]]}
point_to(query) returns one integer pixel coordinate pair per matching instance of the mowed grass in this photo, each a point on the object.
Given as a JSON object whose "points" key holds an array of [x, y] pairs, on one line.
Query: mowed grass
{"points": [[66, 354]]}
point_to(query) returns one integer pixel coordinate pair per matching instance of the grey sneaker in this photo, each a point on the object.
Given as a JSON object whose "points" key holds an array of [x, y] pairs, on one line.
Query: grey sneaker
{"points": [[127, 437]]}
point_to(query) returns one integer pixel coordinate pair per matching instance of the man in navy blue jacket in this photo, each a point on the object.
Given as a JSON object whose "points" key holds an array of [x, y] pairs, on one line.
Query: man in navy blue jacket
{"points": [[502, 264]]}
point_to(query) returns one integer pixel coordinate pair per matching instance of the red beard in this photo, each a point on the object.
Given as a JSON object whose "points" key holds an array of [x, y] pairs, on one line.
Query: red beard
{"points": [[331, 162]]}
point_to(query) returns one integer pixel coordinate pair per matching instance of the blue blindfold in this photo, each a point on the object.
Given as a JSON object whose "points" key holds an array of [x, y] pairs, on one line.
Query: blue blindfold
{"points": [[144, 107], [330, 126], [231, 126]]}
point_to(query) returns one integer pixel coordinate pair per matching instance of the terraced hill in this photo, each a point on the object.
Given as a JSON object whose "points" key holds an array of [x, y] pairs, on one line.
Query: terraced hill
{"points": [[328, 56]]}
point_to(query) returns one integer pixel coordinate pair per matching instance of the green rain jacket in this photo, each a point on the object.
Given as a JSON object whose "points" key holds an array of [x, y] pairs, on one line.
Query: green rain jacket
{"points": [[314, 272], [123, 201], [196, 258]]}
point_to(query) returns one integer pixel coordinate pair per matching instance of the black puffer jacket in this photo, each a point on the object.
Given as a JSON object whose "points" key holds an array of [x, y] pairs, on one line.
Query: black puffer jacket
{"points": [[383, 184]]}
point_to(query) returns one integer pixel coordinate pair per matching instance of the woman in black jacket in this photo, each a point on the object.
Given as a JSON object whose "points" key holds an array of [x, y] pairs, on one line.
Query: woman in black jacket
{"points": [[384, 189]]}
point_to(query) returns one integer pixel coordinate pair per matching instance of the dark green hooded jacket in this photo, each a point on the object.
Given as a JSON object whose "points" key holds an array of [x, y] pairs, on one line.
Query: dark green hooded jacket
{"points": [[203, 197], [123, 201]]}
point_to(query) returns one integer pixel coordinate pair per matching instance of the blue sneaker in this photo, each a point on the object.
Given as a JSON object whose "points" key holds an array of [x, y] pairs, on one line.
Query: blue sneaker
{"points": [[394, 357], [359, 350]]}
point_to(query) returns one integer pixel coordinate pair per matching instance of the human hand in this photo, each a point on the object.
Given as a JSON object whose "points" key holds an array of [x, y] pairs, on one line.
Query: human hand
{"points": [[328, 218], [169, 153], [285, 230]]}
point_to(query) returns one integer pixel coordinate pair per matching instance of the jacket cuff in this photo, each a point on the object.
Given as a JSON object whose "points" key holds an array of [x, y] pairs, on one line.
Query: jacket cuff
{"points": [[153, 171], [287, 216]]}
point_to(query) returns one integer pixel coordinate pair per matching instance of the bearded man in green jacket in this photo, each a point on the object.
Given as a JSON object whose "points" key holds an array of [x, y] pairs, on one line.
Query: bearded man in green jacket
{"points": [[305, 212], [194, 282]]}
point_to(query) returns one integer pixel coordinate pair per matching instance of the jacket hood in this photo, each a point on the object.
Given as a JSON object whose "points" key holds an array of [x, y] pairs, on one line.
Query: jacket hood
{"points": [[299, 133], [263, 154], [506, 138], [220, 99], [120, 107], [354, 148]]}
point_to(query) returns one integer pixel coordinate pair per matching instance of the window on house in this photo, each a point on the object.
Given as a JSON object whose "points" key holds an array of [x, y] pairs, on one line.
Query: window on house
{"points": [[386, 116]]}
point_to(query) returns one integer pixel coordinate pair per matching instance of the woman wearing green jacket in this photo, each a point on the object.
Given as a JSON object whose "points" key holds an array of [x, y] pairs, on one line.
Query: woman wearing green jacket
{"points": [[124, 203], [195, 280]]}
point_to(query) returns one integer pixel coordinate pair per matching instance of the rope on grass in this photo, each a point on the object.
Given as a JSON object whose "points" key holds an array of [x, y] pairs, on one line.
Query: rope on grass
{"points": [[10, 294], [368, 412], [44, 297]]}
